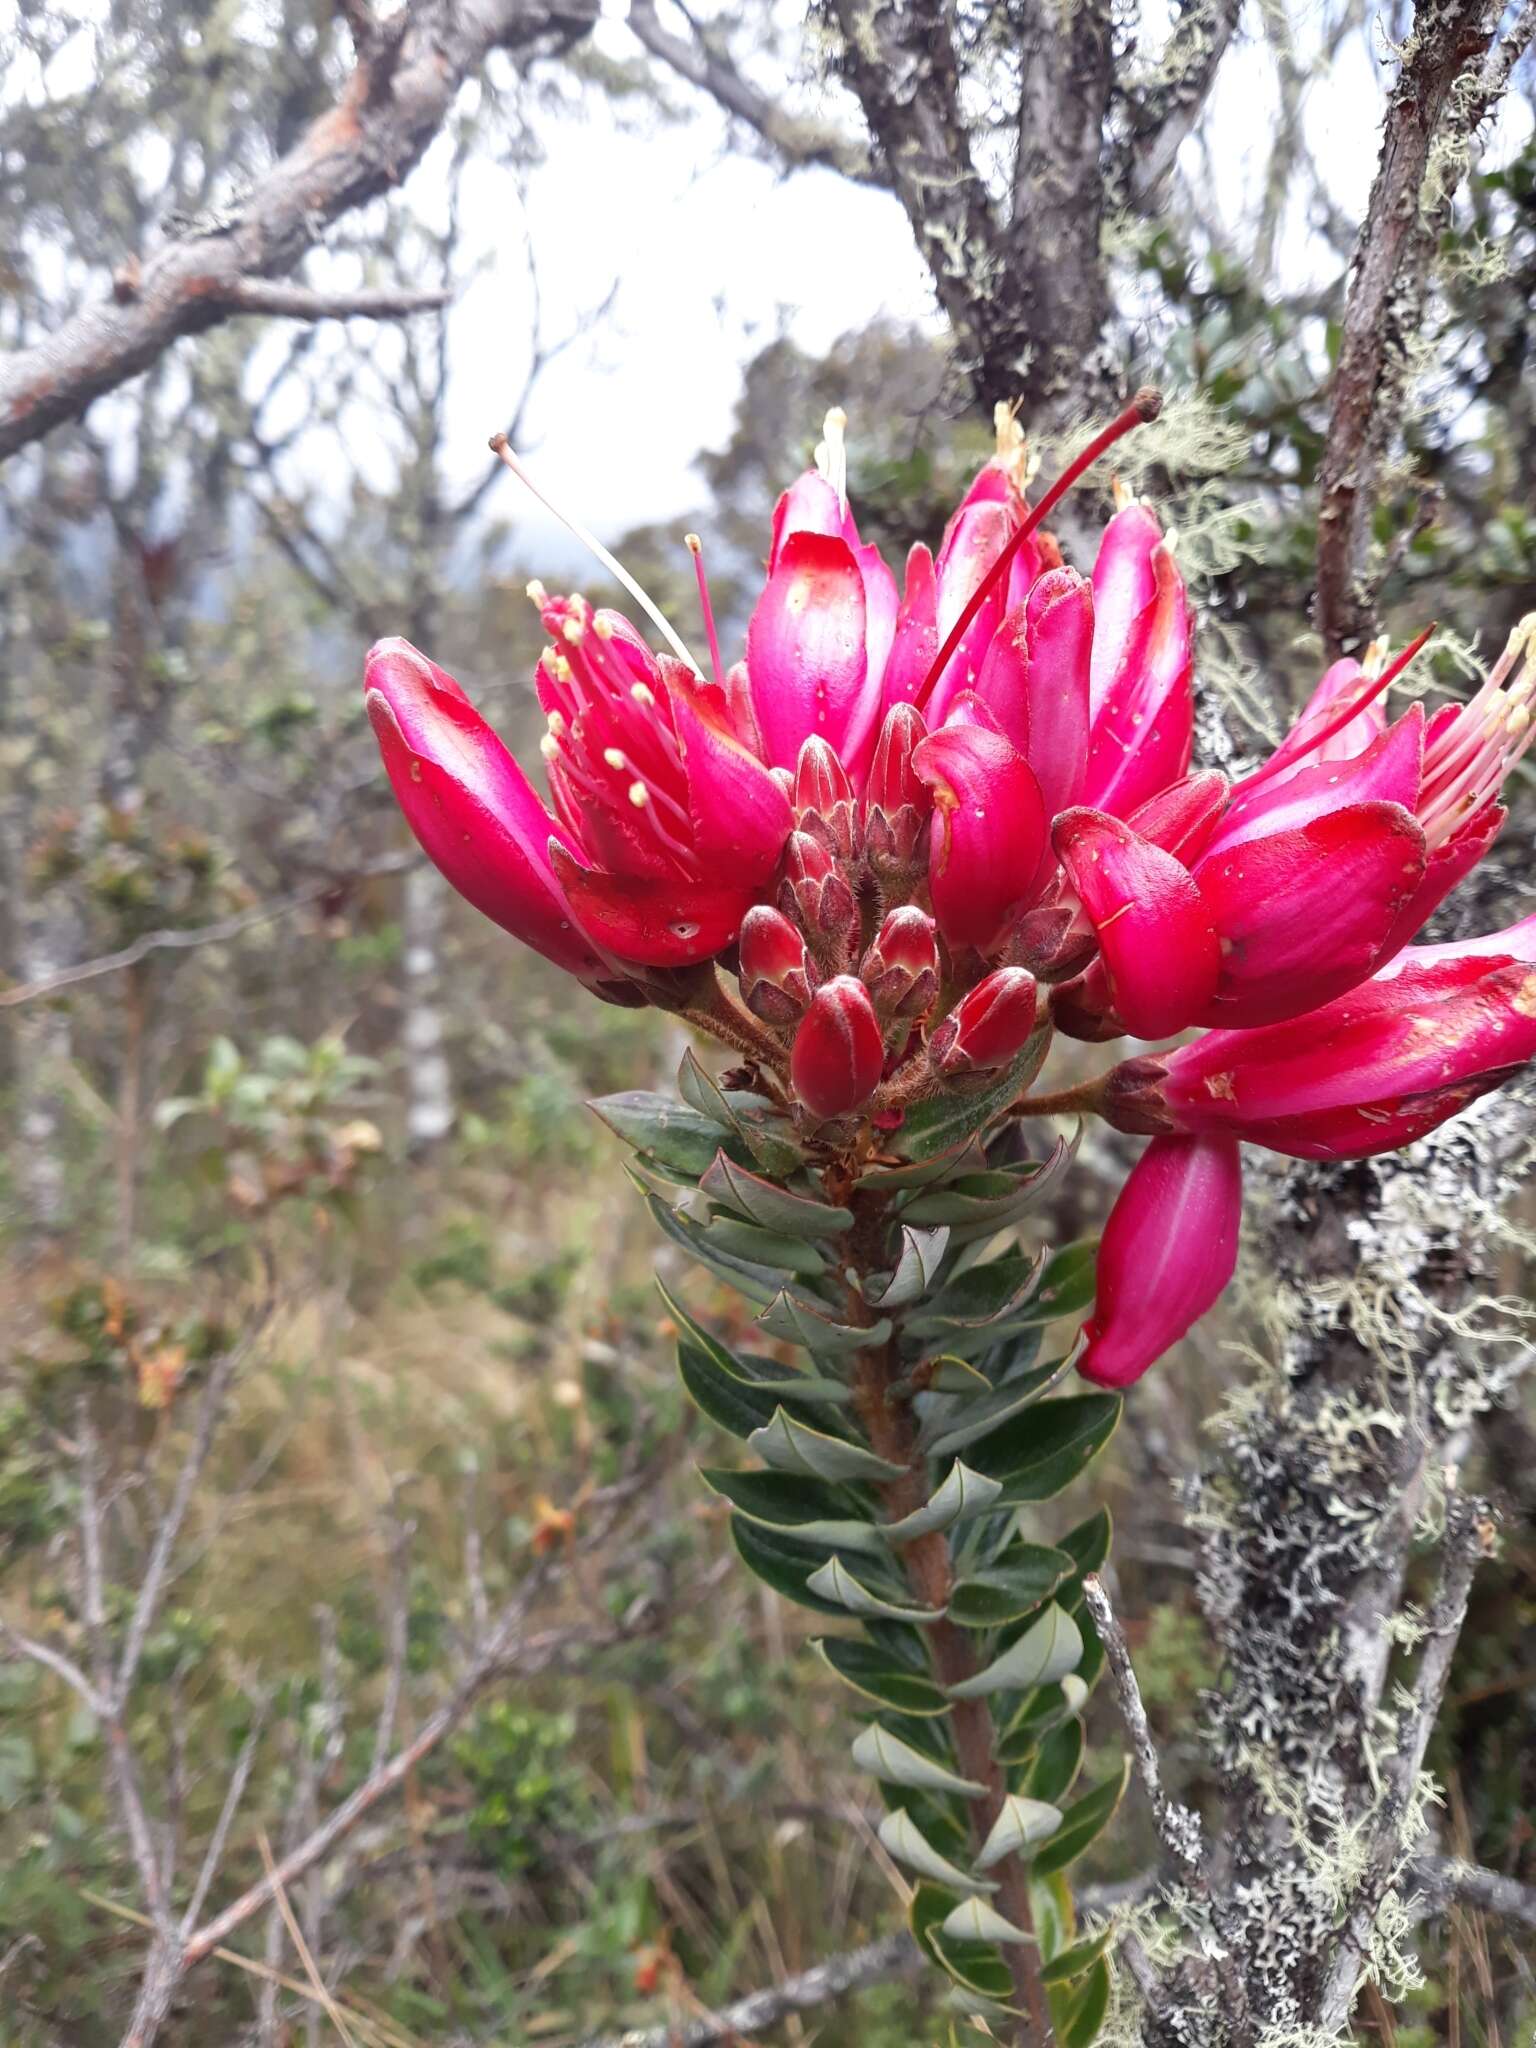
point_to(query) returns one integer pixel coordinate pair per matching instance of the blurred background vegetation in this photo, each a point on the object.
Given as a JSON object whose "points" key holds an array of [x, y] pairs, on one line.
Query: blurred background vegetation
{"points": [[322, 1120]]}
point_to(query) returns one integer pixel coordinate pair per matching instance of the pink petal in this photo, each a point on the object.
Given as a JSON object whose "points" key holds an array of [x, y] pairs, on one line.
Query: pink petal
{"points": [[988, 833], [916, 639], [1143, 731], [1168, 1251], [470, 806], [1155, 929], [1182, 818], [741, 816], [1303, 915], [660, 923], [978, 534], [1388, 771], [806, 651], [1123, 586]]}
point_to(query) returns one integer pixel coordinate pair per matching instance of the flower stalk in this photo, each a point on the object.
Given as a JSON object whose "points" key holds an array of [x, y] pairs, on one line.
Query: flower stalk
{"points": [[884, 859]]}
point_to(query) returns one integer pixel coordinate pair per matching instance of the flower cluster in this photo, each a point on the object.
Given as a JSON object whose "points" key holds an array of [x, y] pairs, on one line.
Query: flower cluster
{"points": [[923, 826]]}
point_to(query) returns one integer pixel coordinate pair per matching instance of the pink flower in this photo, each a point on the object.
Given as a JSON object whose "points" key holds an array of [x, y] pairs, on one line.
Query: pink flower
{"points": [[1168, 1250], [1369, 1072], [904, 811]]}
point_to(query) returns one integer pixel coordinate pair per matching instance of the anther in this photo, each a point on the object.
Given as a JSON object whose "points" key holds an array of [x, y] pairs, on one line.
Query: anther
{"points": [[537, 592], [639, 795], [613, 757], [643, 694]]}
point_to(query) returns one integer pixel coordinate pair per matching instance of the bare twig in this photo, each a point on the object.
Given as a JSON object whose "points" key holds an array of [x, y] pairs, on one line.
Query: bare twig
{"points": [[1452, 72], [700, 60], [839, 1977], [407, 78], [209, 1409], [1178, 1828], [1468, 1539], [302, 302], [1443, 1882], [217, 934]]}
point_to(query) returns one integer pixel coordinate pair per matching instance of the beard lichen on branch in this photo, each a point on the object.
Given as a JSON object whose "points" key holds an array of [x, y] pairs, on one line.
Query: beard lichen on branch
{"points": [[886, 858]]}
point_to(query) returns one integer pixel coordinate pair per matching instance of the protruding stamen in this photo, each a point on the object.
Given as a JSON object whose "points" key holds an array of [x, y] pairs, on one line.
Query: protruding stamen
{"points": [[557, 665], [556, 724], [695, 548], [613, 757], [536, 592], [503, 448], [1012, 444], [549, 747], [639, 795], [832, 453], [1145, 406]]}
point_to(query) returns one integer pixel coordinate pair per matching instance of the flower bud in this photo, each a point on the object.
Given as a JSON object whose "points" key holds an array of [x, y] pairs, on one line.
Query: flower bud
{"points": [[895, 801], [815, 894], [1169, 1248], [776, 975], [823, 796], [1084, 1007], [901, 968], [1052, 941], [838, 1053], [988, 1026]]}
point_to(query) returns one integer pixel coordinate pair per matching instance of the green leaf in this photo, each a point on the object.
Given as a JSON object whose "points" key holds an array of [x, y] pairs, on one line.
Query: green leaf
{"points": [[975, 1966], [1069, 1282], [923, 1173], [1081, 1822], [835, 1582], [975, 1418], [1077, 2011], [765, 1247], [791, 1446], [732, 1403], [1045, 1709], [676, 1133], [981, 1296], [987, 1599], [761, 1127], [976, 1920], [701, 1091], [1020, 1824], [895, 1762], [780, 1500], [761, 1285], [879, 1676], [1046, 1651], [769, 1376], [901, 1837], [1081, 1956], [963, 1495], [922, 1254], [789, 1317], [782, 1563], [944, 1122], [1088, 1547], [1039, 1452], [770, 1206], [1057, 1762]]}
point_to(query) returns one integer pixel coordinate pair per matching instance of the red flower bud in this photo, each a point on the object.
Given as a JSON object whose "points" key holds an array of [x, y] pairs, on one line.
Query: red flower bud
{"points": [[901, 968], [987, 1027], [1169, 1248], [837, 1056], [776, 975], [896, 802], [824, 795], [815, 895]]}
